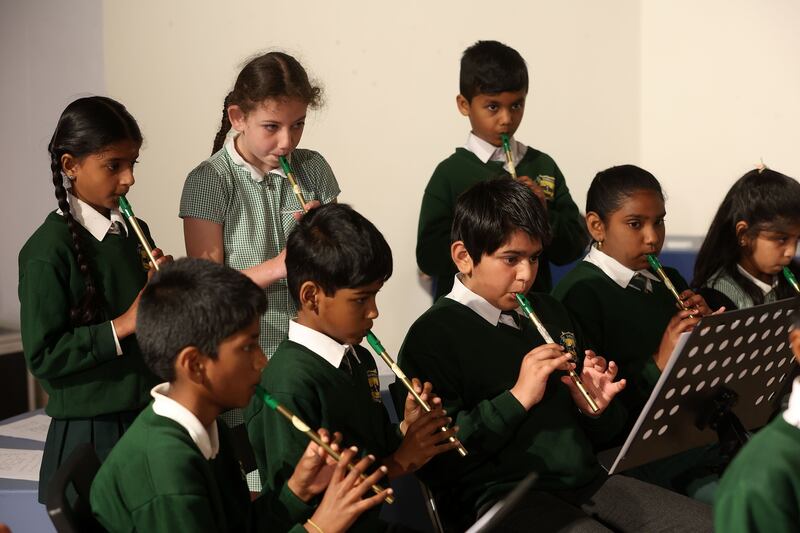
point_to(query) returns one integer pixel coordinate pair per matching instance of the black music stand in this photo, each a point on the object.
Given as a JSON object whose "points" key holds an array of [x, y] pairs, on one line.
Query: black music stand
{"points": [[721, 380]]}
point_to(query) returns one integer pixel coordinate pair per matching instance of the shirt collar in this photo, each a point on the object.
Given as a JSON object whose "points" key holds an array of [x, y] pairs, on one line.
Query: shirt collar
{"points": [[488, 152], [95, 223], [255, 174], [792, 414], [765, 287], [319, 343], [464, 295], [619, 273], [206, 438]]}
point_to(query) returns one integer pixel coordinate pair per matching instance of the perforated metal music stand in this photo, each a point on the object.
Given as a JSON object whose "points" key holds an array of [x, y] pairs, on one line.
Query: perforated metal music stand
{"points": [[722, 378]]}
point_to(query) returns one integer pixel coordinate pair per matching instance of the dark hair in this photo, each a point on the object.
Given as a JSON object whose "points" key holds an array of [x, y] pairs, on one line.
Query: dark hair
{"points": [[766, 200], [87, 126], [488, 213], [273, 75], [193, 302], [490, 67], [337, 248], [611, 187]]}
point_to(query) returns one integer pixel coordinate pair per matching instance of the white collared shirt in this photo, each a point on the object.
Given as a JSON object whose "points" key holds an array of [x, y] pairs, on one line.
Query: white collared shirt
{"points": [[619, 273], [319, 343], [206, 438], [765, 287], [256, 174], [792, 413], [95, 223], [488, 152], [463, 295]]}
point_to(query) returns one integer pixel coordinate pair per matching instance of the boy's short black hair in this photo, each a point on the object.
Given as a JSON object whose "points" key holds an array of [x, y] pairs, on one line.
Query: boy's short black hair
{"points": [[337, 248], [193, 302], [490, 67], [489, 212]]}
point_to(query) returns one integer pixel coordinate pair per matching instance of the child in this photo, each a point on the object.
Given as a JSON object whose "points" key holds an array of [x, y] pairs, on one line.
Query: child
{"points": [[760, 490], [493, 88], [622, 307], [238, 206], [80, 274], [174, 469], [753, 236], [336, 263], [500, 382]]}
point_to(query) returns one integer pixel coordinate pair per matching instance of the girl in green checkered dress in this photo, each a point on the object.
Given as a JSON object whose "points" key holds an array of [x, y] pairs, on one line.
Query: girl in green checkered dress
{"points": [[237, 206], [753, 236], [80, 275]]}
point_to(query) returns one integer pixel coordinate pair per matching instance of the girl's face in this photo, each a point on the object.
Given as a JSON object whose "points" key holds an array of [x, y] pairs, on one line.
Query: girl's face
{"points": [[99, 179], [634, 230], [270, 130], [769, 251]]}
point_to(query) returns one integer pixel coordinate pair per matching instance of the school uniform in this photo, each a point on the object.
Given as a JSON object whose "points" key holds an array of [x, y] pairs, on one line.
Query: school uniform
{"points": [[735, 297], [171, 473], [479, 161], [328, 385], [472, 353], [760, 490], [96, 383]]}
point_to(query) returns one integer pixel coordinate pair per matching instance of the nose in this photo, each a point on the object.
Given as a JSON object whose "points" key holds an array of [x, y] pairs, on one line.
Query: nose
{"points": [[127, 179], [285, 140], [526, 271], [650, 237], [505, 117], [372, 309], [261, 360]]}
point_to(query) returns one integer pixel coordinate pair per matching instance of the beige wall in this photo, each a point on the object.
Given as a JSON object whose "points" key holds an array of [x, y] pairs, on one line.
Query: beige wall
{"points": [[390, 77]]}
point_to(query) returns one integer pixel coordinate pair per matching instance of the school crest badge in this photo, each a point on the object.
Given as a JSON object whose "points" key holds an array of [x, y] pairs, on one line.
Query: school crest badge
{"points": [[374, 385], [567, 340], [548, 185], [145, 259]]}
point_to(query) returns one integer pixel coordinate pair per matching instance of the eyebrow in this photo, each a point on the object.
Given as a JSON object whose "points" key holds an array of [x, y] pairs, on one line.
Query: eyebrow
{"points": [[268, 121]]}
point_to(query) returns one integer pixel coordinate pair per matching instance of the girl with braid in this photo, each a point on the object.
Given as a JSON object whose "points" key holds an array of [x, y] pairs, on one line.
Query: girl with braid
{"points": [[237, 206], [80, 276]]}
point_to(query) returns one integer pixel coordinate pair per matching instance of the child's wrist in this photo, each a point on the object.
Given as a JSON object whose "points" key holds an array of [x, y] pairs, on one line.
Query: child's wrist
{"points": [[299, 490]]}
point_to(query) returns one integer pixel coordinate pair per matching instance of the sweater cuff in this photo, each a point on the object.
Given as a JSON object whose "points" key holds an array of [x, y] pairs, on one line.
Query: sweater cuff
{"points": [[297, 510], [103, 345], [511, 410], [651, 373]]}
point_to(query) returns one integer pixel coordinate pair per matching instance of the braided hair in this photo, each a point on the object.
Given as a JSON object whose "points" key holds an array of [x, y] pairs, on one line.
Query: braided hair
{"points": [[87, 126], [273, 75]]}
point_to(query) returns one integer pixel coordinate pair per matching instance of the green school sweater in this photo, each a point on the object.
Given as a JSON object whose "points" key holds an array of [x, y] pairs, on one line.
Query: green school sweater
{"points": [[472, 365], [324, 397], [760, 490], [156, 479], [78, 366], [622, 325], [458, 173]]}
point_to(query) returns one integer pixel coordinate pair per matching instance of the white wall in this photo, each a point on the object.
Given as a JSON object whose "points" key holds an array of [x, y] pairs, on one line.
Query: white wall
{"points": [[51, 52], [720, 90], [390, 76]]}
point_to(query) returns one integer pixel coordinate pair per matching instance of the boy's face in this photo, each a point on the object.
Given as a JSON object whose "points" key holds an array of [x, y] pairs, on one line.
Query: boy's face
{"points": [[510, 269], [634, 230], [493, 114], [233, 375], [347, 315]]}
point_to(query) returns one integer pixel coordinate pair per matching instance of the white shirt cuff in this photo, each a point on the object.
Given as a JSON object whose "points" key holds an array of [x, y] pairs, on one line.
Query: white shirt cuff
{"points": [[116, 339]]}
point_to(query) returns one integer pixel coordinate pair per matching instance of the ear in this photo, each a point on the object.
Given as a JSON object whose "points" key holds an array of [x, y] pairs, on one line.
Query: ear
{"points": [[461, 257], [190, 366], [596, 227], [310, 294], [237, 117], [69, 164], [794, 341], [463, 105], [741, 231]]}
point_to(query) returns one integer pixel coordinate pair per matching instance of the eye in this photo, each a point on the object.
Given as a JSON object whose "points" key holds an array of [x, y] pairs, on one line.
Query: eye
{"points": [[113, 166], [299, 125], [272, 128], [659, 222], [492, 107], [510, 260], [517, 106], [533, 259], [634, 224]]}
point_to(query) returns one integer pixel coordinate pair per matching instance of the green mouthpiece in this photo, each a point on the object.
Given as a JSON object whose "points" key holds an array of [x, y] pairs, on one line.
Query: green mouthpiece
{"points": [[654, 262], [374, 342], [506, 142], [125, 207], [267, 399], [790, 278], [284, 164], [524, 303]]}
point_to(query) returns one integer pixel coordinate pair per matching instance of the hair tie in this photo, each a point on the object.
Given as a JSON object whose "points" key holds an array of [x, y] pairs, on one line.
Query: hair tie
{"points": [[761, 167]]}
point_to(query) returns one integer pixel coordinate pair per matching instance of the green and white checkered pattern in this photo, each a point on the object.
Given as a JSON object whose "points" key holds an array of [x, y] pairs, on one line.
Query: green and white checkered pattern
{"points": [[256, 218]]}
